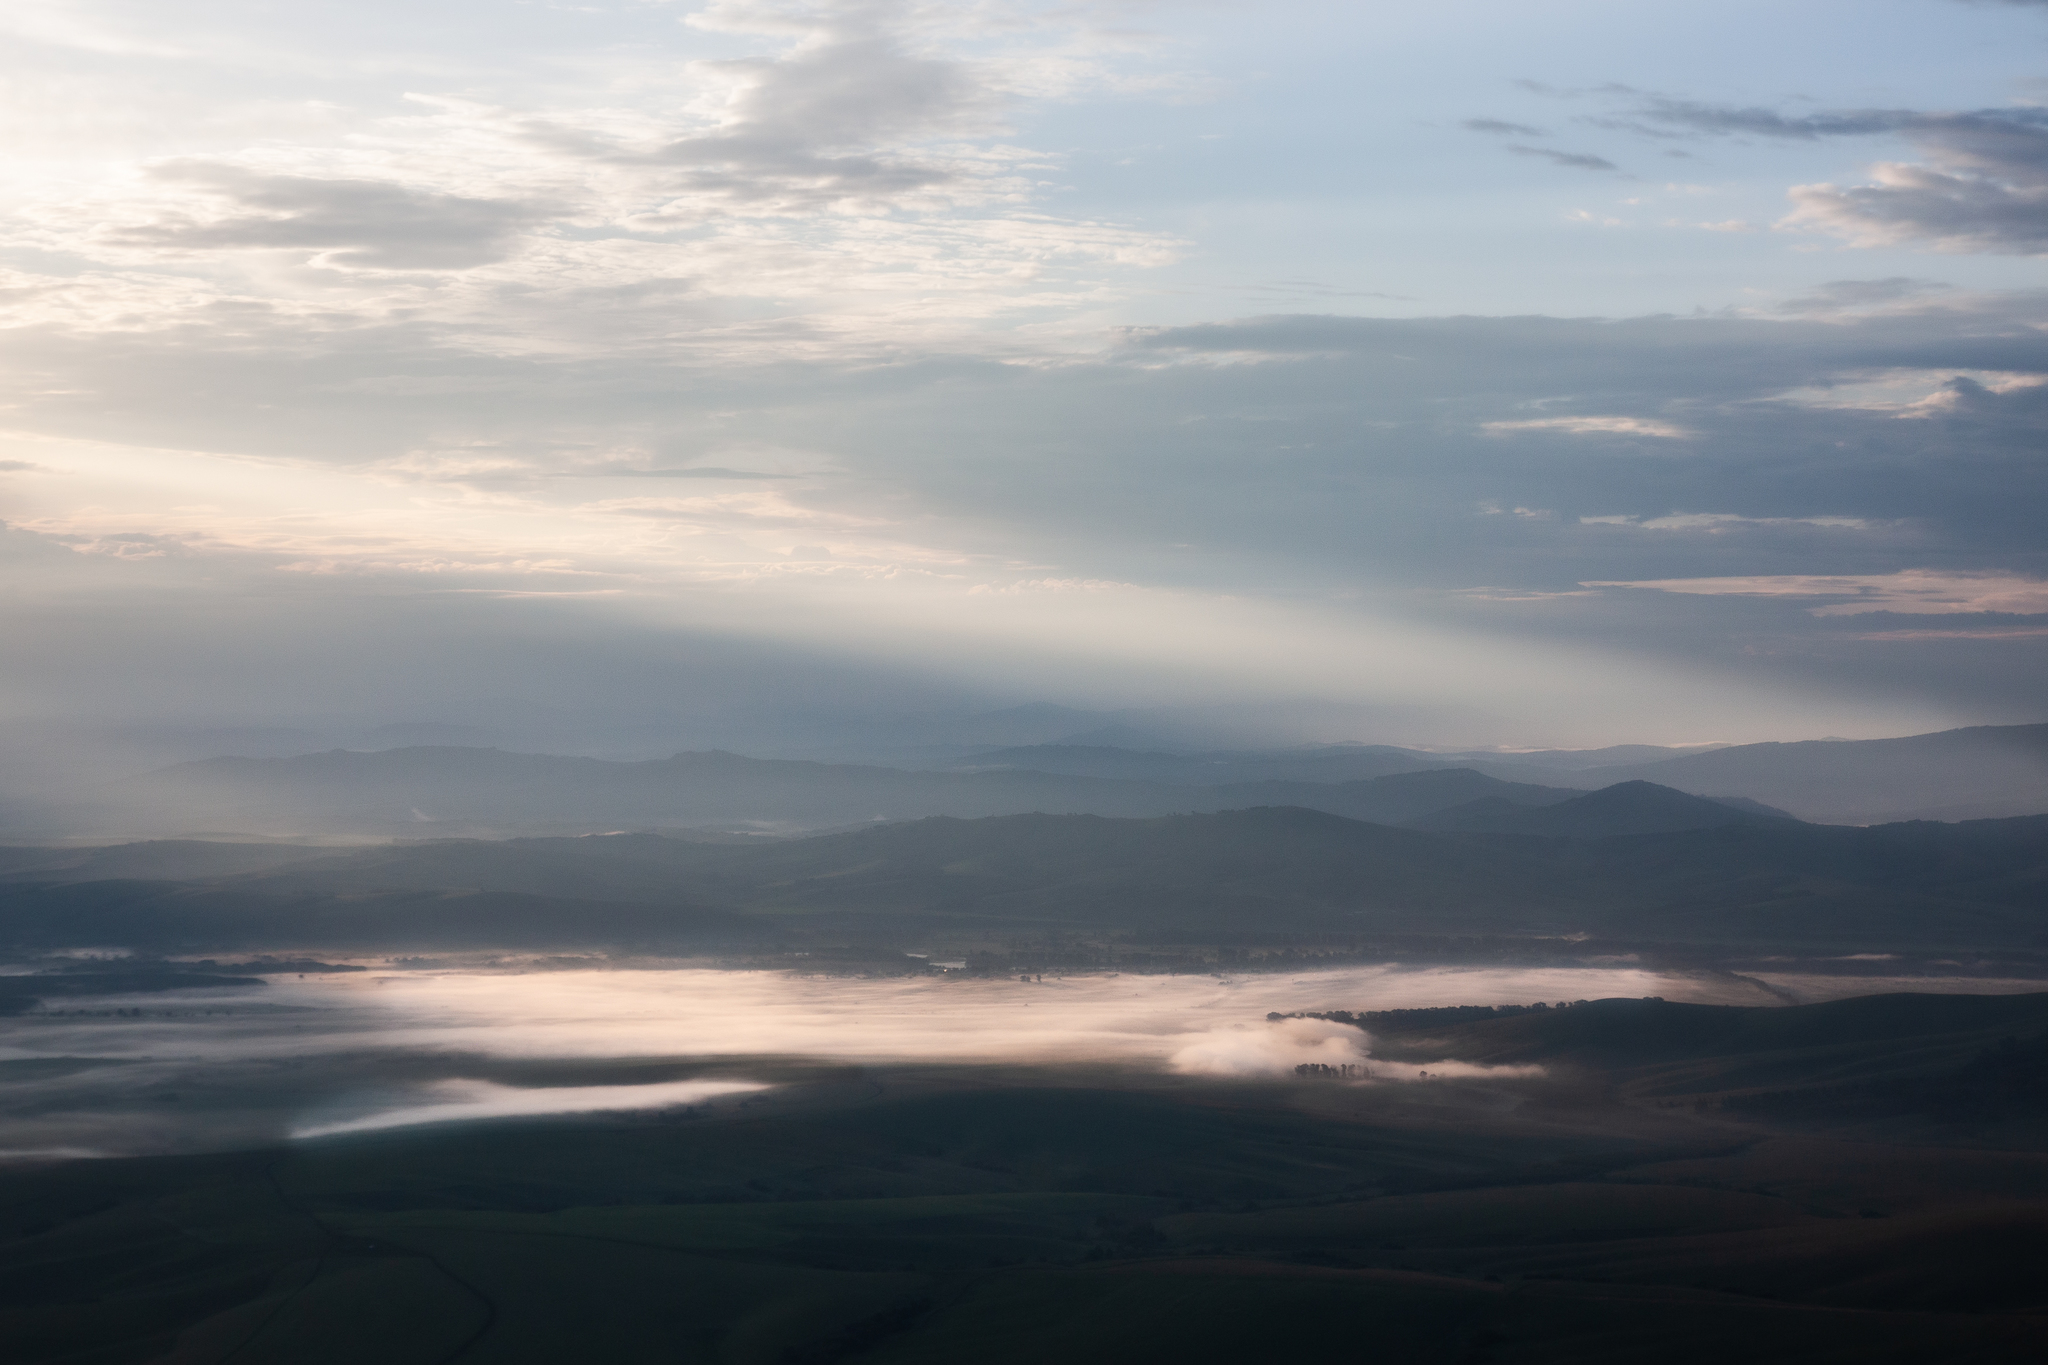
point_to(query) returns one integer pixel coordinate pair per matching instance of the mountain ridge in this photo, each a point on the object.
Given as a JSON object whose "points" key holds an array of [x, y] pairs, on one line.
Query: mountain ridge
{"points": [[1978, 771], [1633, 807]]}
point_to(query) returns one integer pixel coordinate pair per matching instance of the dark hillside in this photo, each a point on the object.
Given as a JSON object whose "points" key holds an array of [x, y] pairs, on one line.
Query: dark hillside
{"points": [[1399, 799], [1624, 808], [1264, 874], [1906, 1063], [1250, 870], [173, 917], [1336, 763], [169, 859], [1614, 1032], [930, 1216]]}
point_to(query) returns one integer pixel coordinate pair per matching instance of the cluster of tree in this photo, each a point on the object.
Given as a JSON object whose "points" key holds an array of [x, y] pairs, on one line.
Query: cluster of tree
{"points": [[1345, 1071], [1442, 1014]]}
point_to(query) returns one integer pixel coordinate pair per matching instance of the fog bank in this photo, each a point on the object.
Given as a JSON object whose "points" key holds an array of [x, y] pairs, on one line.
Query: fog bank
{"points": [[338, 1054]]}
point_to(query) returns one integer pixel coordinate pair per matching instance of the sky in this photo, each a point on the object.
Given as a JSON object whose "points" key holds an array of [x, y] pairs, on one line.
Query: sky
{"points": [[1557, 372]]}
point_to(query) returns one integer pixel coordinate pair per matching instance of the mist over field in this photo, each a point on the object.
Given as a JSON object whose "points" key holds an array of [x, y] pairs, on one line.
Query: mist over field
{"points": [[875, 682], [358, 1047], [297, 1055]]}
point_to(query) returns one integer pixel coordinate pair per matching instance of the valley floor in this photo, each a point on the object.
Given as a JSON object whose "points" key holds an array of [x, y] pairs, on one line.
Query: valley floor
{"points": [[1630, 1205]]}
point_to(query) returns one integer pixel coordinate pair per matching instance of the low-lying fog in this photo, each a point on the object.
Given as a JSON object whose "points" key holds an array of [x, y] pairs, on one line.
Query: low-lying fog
{"points": [[311, 1056]]}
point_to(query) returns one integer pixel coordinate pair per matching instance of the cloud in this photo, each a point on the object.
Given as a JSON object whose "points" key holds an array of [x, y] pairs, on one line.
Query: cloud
{"points": [[1584, 161], [1722, 523], [1970, 212], [602, 263], [1986, 397], [846, 186], [799, 132], [1988, 633], [1660, 116], [359, 223], [19, 467], [695, 472], [1981, 187], [1963, 394], [1916, 591], [1843, 296], [1591, 426]]}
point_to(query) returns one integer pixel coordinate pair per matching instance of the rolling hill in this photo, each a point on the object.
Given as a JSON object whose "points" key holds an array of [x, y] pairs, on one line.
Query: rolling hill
{"points": [[1624, 808], [1263, 875]]}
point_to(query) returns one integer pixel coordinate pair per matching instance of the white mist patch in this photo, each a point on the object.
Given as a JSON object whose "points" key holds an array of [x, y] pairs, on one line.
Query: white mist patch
{"points": [[1138, 1020], [52, 1154], [1270, 1049], [465, 1099], [1279, 1047]]}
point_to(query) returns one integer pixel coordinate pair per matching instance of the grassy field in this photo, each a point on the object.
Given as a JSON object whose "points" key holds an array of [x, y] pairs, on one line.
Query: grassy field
{"points": [[924, 1216]]}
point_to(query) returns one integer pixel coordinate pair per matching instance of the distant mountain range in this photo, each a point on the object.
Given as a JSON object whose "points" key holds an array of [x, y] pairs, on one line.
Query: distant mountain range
{"points": [[479, 792], [490, 793], [1981, 772]]}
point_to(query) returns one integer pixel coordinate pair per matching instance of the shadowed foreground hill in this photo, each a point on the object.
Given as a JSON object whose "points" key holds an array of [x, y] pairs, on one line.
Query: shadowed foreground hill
{"points": [[1936, 1067], [1636, 1203]]}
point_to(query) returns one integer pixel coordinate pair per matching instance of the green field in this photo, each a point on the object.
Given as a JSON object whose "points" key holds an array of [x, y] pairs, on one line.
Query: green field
{"points": [[972, 1215]]}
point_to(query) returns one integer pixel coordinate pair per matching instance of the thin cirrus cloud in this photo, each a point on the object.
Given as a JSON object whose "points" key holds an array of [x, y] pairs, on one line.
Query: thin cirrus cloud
{"points": [[1584, 161], [1839, 296], [1913, 591], [693, 472], [1722, 523], [1590, 426]]}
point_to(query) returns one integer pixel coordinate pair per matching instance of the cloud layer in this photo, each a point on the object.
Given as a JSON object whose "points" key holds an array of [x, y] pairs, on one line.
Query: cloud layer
{"points": [[910, 343]]}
